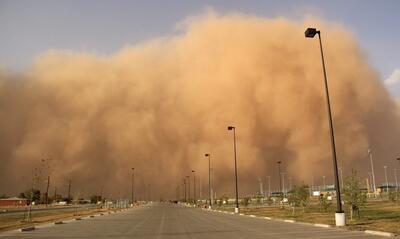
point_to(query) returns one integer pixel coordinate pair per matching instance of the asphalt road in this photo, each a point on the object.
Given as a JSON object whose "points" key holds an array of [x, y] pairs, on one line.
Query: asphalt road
{"points": [[174, 221]]}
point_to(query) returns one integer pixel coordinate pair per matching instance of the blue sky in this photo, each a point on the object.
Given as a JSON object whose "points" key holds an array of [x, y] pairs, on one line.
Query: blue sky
{"points": [[28, 28]]}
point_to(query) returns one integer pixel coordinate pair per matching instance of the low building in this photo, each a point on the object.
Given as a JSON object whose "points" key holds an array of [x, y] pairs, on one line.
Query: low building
{"points": [[14, 201]]}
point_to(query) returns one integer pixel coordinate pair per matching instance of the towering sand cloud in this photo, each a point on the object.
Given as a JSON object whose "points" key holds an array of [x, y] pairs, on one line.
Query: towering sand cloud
{"points": [[160, 105]]}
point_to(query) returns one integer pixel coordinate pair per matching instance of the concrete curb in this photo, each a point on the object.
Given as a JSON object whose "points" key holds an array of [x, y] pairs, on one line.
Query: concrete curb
{"points": [[289, 220], [379, 233], [27, 229], [321, 225]]}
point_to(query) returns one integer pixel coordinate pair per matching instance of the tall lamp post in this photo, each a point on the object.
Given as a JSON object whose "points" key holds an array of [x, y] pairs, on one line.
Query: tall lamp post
{"points": [[372, 171], [194, 187], [397, 186], [339, 215], [133, 182], [209, 179], [184, 185], [386, 178], [280, 176], [188, 183], [236, 177], [269, 185]]}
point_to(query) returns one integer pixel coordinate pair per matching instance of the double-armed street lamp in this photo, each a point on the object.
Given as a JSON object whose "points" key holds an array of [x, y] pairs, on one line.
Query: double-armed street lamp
{"points": [[209, 179], [236, 177], [339, 215]]}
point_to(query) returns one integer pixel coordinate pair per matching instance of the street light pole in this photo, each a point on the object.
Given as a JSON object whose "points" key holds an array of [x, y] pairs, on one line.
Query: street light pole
{"points": [[283, 183], [209, 178], [236, 177], [188, 183], [397, 186], [372, 171], [279, 175], [339, 216], [269, 185], [133, 182], [194, 187], [395, 177], [184, 184], [341, 176], [387, 183]]}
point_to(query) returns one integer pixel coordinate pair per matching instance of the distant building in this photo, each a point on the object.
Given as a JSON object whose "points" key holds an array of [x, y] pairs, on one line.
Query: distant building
{"points": [[385, 188], [14, 201]]}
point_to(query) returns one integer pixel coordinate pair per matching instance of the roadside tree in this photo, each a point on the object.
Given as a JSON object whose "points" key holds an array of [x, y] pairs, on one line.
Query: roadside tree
{"points": [[353, 196], [299, 197]]}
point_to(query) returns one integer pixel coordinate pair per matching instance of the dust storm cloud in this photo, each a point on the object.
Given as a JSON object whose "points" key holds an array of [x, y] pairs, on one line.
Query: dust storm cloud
{"points": [[160, 105]]}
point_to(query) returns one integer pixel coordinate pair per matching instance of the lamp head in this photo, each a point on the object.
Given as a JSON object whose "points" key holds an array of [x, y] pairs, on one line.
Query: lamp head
{"points": [[310, 32], [207, 155], [231, 127]]}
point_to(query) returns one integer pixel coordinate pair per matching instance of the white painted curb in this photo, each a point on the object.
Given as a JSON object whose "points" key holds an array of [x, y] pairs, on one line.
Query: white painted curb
{"points": [[321, 225], [290, 221], [378, 233]]}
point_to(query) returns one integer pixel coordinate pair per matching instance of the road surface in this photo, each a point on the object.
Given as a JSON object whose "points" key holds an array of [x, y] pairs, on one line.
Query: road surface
{"points": [[175, 221]]}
